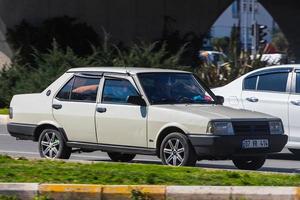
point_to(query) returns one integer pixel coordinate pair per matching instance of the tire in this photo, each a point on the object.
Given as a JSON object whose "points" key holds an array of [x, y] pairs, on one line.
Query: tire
{"points": [[296, 152], [120, 157], [53, 146], [176, 150], [249, 163]]}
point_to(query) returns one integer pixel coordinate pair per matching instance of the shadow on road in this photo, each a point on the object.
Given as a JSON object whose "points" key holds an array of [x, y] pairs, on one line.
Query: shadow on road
{"points": [[284, 156]]}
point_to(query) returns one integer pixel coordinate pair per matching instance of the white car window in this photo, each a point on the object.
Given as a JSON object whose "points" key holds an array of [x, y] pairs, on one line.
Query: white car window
{"points": [[85, 89], [117, 91], [250, 83], [79, 89], [298, 83], [273, 82], [64, 93]]}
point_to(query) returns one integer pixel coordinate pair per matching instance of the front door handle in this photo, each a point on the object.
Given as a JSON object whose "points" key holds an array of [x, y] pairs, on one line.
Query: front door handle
{"points": [[296, 103], [252, 99], [101, 110], [57, 106]]}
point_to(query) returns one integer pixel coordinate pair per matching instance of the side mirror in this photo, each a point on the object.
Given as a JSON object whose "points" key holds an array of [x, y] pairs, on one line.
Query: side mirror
{"points": [[220, 100], [136, 100]]}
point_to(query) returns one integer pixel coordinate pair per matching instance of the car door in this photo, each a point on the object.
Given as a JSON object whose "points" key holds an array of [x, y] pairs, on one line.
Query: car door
{"points": [[268, 92], [74, 107], [117, 122], [294, 110]]}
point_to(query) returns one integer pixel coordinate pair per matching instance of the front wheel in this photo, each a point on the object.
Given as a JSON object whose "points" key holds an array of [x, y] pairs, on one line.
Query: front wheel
{"points": [[176, 150], [52, 145], [249, 163], [295, 151], [120, 157]]}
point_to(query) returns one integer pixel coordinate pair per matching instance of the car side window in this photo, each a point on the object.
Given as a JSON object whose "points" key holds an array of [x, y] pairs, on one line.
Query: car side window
{"points": [[117, 91], [85, 89], [276, 82], [64, 93], [250, 83], [298, 82]]}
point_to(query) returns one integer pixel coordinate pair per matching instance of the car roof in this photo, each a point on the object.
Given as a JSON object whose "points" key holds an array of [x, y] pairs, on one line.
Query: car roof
{"points": [[280, 66], [297, 66], [124, 70]]}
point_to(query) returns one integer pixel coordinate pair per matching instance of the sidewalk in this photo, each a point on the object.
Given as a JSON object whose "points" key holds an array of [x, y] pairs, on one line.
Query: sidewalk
{"points": [[155, 192]]}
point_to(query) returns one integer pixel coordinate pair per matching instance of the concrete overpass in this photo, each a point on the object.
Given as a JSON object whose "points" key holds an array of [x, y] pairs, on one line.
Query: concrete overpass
{"points": [[127, 20]]}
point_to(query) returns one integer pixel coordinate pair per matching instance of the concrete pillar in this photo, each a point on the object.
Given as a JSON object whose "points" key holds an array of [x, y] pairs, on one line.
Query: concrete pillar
{"points": [[286, 14]]}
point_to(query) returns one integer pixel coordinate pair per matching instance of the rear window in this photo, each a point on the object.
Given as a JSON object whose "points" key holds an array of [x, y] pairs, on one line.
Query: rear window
{"points": [[80, 89], [64, 93], [273, 82], [85, 89], [250, 83]]}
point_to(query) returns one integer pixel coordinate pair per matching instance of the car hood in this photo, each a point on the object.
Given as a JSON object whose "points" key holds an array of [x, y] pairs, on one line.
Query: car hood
{"points": [[214, 112]]}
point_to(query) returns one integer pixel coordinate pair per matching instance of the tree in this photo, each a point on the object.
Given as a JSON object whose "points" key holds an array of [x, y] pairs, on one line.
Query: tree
{"points": [[280, 42]]}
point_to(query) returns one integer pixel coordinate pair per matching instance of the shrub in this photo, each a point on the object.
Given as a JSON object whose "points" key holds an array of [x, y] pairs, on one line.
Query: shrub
{"points": [[35, 76]]}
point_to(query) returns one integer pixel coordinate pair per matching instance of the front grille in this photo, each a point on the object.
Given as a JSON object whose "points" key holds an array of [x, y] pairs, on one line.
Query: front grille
{"points": [[251, 127]]}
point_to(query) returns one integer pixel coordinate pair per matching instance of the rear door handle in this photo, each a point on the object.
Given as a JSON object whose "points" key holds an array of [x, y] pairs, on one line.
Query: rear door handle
{"points": [[252, 99], [296, 103], [57, 106], [101, 110]]}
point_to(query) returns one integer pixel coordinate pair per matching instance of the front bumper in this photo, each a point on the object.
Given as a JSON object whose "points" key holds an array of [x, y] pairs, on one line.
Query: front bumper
{"points": [[230, 146]]}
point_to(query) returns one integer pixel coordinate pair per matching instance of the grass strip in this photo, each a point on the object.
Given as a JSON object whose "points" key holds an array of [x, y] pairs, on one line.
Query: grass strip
{"points": [[46, 171], [4, 111]]}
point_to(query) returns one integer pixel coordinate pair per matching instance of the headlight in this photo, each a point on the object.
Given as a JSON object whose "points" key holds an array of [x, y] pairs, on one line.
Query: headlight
{"points": [[276, 127], [220, 128]]}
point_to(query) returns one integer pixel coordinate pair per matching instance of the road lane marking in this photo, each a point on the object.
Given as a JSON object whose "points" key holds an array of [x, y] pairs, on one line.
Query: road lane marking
{"points": [[2, 134]]}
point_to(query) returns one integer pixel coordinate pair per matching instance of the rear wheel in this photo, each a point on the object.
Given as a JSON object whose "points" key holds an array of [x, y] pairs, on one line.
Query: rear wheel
{"points": [[176, 150], [249, 163], [295, 151], [52, 145], [120, 157]]}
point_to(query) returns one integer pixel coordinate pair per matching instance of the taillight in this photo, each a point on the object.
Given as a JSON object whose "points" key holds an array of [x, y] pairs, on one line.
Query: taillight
{"points": [[10, 113]]}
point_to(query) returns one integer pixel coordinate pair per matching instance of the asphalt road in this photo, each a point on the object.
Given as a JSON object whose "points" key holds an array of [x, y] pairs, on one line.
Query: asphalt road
{"points": [[282, 162]]}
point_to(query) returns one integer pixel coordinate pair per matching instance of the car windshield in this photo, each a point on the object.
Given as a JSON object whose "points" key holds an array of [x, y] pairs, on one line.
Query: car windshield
{"points": [[174, 88]]}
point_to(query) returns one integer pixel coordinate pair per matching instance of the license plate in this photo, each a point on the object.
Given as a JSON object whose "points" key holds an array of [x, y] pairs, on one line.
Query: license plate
{"points": [[254, 144]]}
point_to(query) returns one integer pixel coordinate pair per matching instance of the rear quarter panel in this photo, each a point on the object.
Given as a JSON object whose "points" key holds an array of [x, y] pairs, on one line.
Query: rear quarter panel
{"points": [[232, 94], [36, 109]]}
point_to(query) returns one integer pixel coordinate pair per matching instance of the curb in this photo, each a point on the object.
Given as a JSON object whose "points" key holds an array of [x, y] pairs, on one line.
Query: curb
{"points": [[28, 191], [19, 190], [4, 119]]}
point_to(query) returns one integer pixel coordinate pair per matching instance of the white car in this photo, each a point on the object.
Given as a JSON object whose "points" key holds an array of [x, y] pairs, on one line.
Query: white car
{"points": [[132, 111], [272, 90]]}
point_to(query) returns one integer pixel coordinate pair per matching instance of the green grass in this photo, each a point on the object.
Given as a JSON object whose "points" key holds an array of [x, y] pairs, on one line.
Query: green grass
{"points": [[5, 197], [45, 171], [4, 111]]}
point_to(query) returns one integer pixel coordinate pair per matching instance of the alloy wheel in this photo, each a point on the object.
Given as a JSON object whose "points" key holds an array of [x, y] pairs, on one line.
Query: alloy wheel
{"points": [[174, 152], [50, 145]]}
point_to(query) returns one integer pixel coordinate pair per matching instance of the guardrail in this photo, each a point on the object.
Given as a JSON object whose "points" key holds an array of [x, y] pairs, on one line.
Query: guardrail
{"points": [[83, 191]]}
